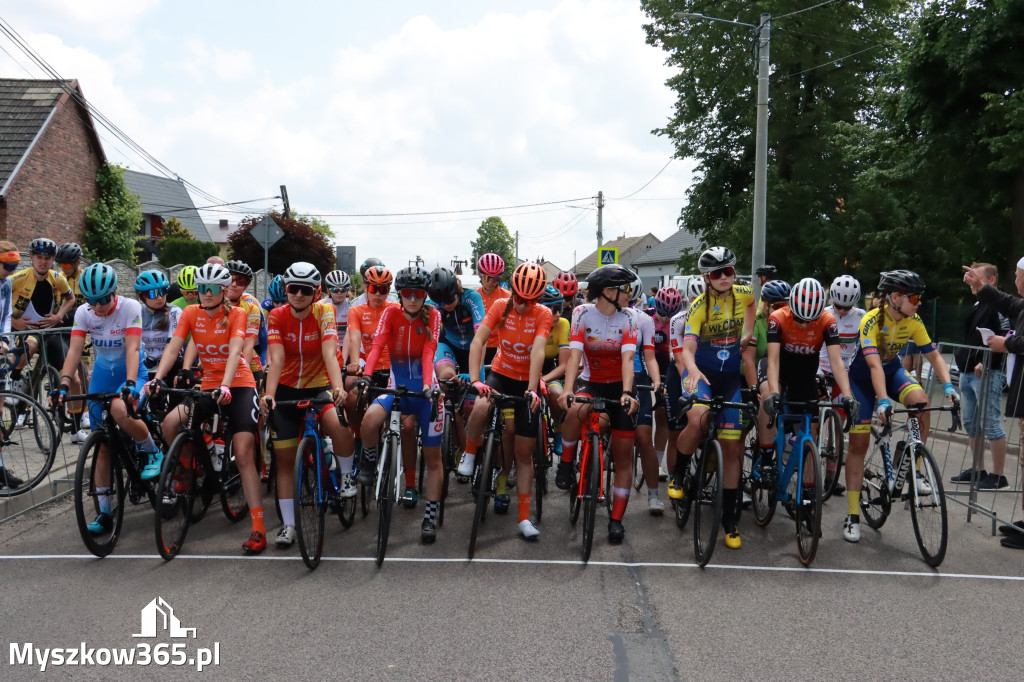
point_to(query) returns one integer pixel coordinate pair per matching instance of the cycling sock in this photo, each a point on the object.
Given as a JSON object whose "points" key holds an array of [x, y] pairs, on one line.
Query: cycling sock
{"points": [[661, 458], [682, 465], [344, 464], [620, 498], [105, 499], [524, 507], [853, 502], [76, 420], [568, 450], [288, 511], [502, 485], [730, 514], [147, 445], [410, 478], [370, 455], [471, 447], [652, 492], [16, 375], [257, 520], [429, 510]]}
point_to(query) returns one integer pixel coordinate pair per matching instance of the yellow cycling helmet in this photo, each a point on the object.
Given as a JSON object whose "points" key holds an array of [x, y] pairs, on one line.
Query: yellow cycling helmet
{"points": [[187, 278]]}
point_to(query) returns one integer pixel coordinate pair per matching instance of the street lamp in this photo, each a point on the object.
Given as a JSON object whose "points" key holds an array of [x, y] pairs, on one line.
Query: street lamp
{"points": [[763, 36]]}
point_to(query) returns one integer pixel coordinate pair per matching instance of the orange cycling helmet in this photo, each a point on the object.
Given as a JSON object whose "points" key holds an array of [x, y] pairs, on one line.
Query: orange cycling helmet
{"points": [[529, 281], [377, 275]]}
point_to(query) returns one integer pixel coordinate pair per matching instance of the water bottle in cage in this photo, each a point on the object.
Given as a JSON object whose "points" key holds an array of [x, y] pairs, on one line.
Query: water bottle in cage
{"points": [[327, 446]]}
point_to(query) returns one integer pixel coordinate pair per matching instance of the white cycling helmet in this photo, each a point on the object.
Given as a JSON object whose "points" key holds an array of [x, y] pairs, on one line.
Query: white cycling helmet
{"points": [[845, 291], [302, 273], [338, 279], [807, 299], [213, 273], [694, 288]]}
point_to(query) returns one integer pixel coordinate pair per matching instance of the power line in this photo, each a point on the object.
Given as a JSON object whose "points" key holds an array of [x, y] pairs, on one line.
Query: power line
{"points": [[838, 59], [424, 222], [671, 159], [461, 210], [805, 9]]}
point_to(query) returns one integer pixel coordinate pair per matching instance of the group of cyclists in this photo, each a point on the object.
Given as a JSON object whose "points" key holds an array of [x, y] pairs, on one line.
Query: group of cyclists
{"points": [[547, 341]]}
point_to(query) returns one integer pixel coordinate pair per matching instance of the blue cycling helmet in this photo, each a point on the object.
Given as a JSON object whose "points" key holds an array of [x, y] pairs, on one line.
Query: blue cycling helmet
{"points": [[97, 281], [776, 291], [152, 280], [276, 290], [551, 297]]}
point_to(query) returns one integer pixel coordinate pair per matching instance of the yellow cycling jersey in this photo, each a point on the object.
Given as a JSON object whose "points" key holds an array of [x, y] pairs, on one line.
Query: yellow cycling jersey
{"points": [[254, 319], [716, 325], [23, 285], [874, 328], [558, 339]]}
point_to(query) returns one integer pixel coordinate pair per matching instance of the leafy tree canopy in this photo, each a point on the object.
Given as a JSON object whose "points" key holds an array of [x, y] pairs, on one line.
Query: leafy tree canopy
{"points": [[299, 243], [493, 237], [112, 221]]}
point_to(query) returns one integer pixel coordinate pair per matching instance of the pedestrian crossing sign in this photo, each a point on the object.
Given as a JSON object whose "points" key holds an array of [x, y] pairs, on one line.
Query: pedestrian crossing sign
{"points": [[607, 255]]}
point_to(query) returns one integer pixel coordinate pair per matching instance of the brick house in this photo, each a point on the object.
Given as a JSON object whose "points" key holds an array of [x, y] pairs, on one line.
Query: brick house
{"points": [[49, 156]]}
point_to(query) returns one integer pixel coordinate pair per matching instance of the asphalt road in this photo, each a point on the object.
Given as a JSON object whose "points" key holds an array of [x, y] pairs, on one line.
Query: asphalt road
{"points": [[522, 610]]}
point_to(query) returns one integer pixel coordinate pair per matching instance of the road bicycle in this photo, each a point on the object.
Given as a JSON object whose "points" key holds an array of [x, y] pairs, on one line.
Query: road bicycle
{"points": [[831, 436], [590, 489], [884, 481], [28, 443]]}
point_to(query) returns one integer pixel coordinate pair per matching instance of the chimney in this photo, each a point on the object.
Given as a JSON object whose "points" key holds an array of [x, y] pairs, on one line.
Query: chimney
{"points": [[224, 224]]}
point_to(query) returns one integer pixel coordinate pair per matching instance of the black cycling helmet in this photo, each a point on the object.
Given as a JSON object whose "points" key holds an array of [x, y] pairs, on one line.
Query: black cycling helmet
{"points": [[716, 258], [237, 267], [68, 252], [551, 297], [412, 278], [612, 275], [767, 271], [43, 247], [901, 281], [443, 285], [369, 263]]}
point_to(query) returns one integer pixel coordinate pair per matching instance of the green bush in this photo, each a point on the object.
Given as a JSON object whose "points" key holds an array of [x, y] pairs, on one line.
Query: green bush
{"points": [[186, 251]]}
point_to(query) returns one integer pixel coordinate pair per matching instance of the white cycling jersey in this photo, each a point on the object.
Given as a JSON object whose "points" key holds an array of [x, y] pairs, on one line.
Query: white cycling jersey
{"points": [[849, 337], [603, 339], [676, 331], [108, 332]]}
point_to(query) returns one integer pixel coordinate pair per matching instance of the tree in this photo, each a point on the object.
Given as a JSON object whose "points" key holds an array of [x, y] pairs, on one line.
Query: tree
{"points": [[173, 229], [174, 251], [299, 243], [493, 237], [357, 283], [313, 221], [112, 221]]}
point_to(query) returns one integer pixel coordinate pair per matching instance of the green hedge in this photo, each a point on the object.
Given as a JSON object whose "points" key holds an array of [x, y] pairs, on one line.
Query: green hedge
{"points": [[186, 251]]}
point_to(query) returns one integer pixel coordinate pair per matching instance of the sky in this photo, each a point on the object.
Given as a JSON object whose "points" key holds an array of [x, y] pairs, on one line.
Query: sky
{"points": [[396, 107]]}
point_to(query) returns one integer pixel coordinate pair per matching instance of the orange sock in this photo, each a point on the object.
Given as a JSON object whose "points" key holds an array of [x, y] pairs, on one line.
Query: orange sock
{"points": [[471, 447], [524, 507], [257, 520], [568, 450], [410, 478]]}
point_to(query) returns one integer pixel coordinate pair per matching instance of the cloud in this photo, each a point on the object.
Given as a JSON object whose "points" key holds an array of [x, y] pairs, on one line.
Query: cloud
{"points": [[109, 20]]}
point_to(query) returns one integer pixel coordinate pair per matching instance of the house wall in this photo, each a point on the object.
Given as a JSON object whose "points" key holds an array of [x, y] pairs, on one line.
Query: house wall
{"points": [[56, 183]]}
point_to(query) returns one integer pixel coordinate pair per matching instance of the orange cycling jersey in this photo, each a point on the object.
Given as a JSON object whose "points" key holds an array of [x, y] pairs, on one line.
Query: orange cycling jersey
{"points": [[303, 343], [499, 294], [801, 345], [254, 318], [364, 319], [412, 344], [515, 337], [213, 338]]}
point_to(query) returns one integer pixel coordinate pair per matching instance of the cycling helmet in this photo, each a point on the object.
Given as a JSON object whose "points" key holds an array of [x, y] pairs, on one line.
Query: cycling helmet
{"points": [[716, 258], [237, 267], [901, 281], [566, 283], [213, 273], [43, 247], [807, 299], [845, 291], [551, 297], [367, 264], [377, 275], [443, 285], [187, 278], [68, 252], [490, 264], [338, 279], [529, 281], [636, 294], [694, 288], [776, 291], [276, 289], [613, 275], [149, 280], [668, 301], [97, 280], [302, 273], [412, 278], [766, 271]]}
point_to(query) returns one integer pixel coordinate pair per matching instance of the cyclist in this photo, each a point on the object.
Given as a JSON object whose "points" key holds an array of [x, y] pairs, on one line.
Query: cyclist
{"points": [[159, 319], [410, 330], [461, 314], [339, 288], [845, 295], [362, 298], [567, 283], [219, 331], [255, 347], [556, 355], [187, 285], [604, 337], [491, 267], [69, 258], [668, 301], [674, 383], [718, 326], [303, 341], [115, 325], [9, 261], [877, 376], [766, 273]]}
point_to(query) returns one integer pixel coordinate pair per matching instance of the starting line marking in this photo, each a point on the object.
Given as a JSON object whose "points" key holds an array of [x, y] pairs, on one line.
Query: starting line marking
{"points": [[535, 562]]}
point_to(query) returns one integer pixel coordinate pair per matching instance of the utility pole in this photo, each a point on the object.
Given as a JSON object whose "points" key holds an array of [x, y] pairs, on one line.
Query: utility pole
{"points": [[287, 206], [764, 42], [600, 210]]}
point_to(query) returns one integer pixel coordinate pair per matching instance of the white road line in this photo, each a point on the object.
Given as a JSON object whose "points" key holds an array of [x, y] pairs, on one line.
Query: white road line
{"points": [[536, 562]]}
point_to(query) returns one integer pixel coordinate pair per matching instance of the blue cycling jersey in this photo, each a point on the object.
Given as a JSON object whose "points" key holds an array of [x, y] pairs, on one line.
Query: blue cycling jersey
{"points": [[459, 326]]}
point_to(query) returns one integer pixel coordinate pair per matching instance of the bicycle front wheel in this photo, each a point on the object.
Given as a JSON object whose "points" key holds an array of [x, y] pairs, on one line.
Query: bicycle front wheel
{"points": [[102, 543], [591, 494], [175, 497], [386, 499], [928, 508], [483, 490], [310, 505], [540, 471], [28, 439], [831, 448], [807, 500], [232, 496], [448, 462], [875, 503], [707, 513]]}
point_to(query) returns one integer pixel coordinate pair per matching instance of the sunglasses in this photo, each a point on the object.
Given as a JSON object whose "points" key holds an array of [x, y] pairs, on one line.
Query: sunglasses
{"points": [[11, 267], [446, 301], [490, 278], [102, 300], [153, 293], [413, 293], [381, 289], [523, 301], [337, 290], [300, 289], [915, 299], [239, 279], [722, 272], [209, 288]]}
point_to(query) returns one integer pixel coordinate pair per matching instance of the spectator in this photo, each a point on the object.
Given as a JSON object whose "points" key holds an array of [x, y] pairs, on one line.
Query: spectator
{"points": [[215, 259], [650, 299], [972, 365]]}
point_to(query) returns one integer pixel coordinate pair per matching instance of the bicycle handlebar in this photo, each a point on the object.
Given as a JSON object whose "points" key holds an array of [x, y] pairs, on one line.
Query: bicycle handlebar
{"points": [[917, 408]]}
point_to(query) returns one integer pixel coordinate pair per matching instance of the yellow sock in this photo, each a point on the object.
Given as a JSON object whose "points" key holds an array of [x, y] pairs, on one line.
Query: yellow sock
{"points": [[502, 485], [853, 502]]}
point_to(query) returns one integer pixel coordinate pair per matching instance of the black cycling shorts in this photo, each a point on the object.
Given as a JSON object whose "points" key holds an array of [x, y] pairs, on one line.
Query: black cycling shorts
{"points": [[242, 413], [620, 419], [287, 422], [526, 420]]}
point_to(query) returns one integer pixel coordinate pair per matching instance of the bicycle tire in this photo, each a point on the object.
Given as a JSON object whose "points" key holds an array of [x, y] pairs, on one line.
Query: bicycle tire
{"points": [[386, 500], [575, 492], [310, 503], [928, 512], [609, 479], [638, 473], [23, 460], [681, 508], [175, 494], [85, 476], [707, 513], [808, 512], [764, 495], [540, 472], [831, 450], [591, 496], [46, 384], [347, 511], [483, 492], [204, 494], [232, 496], [448, 463], [875, 503]]}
